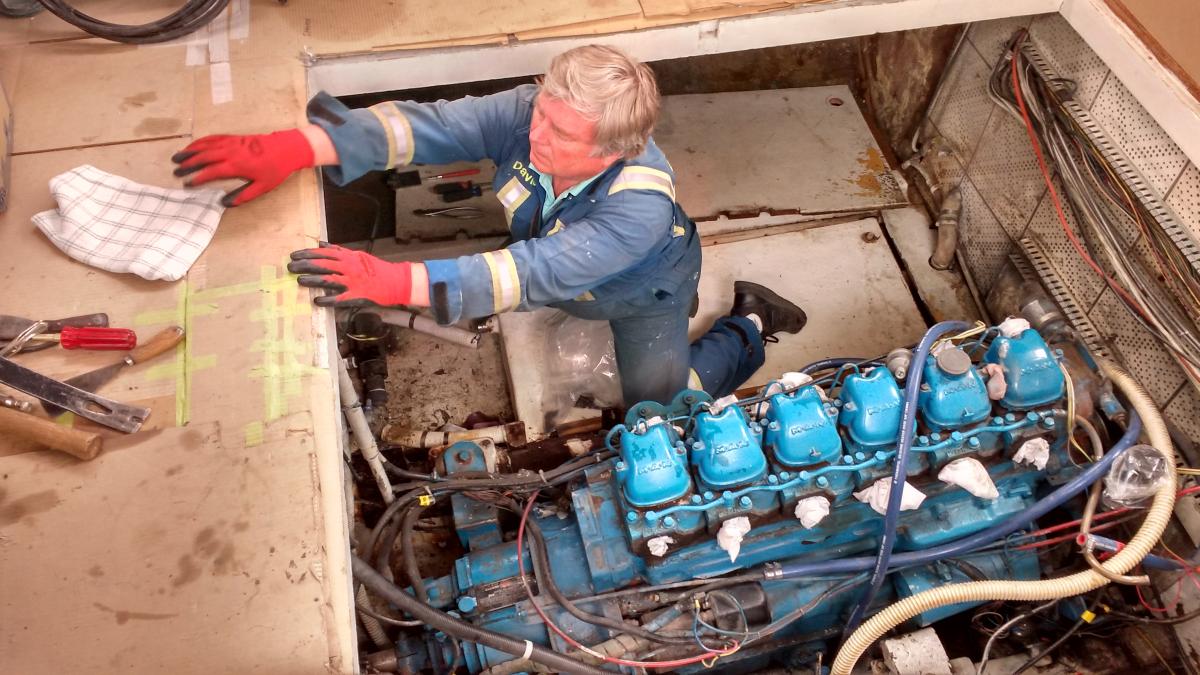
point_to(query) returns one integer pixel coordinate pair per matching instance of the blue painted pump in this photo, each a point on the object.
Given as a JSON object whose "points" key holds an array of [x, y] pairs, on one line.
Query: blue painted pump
{"points": [[1031, 370], [678, 481]]}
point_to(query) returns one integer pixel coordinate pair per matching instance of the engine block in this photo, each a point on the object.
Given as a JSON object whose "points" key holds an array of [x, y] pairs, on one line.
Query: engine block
{"points": [[701, 488]]}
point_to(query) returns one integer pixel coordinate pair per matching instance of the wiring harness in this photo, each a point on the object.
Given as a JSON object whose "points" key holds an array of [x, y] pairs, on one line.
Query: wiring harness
{"points": [[1104, 207]]}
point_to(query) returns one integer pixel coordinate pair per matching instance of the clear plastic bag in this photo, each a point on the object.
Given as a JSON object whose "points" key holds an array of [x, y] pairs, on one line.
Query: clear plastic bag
{"points": [[1135, 476], [582, 364]]}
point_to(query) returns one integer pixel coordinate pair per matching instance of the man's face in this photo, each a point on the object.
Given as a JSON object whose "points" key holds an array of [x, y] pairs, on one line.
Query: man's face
{"points": [[562, 142]]}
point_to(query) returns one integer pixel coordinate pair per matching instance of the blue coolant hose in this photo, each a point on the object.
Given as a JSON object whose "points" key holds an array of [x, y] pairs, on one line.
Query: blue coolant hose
{"points": [[908, 425], [966, 545]]}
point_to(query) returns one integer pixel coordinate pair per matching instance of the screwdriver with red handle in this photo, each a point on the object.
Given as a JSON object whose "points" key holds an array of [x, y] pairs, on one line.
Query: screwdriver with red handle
{"points": [[91, 338]]}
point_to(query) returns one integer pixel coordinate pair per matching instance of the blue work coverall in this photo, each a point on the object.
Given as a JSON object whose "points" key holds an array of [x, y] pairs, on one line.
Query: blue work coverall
{"points": [[621, 250]]}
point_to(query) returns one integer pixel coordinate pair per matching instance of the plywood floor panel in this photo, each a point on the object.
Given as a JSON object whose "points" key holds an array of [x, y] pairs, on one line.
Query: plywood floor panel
{"points": [[805, 151]]}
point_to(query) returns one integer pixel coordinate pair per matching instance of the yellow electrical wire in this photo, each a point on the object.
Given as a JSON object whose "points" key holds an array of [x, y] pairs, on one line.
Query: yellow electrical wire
{"points": [[1074, 444]]}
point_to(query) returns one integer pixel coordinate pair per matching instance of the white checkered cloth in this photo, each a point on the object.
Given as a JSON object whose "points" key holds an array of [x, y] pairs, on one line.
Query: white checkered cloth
{"points": [[118, 225]]}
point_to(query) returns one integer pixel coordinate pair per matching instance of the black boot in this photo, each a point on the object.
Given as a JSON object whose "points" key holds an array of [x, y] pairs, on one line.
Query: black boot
{"points": [[777, 314]]}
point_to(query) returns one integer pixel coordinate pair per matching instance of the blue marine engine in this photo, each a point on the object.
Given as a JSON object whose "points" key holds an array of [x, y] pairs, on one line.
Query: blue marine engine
{"points": [[702, 488]]}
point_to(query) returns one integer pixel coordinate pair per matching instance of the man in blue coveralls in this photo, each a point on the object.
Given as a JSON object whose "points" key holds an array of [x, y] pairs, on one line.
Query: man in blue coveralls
{"points": [[590, 200]]}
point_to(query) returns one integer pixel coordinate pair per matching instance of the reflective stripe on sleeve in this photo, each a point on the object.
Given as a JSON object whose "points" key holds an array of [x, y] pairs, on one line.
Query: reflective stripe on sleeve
{"points": [[643, 178], [506, 285], [694, 380], [399, 133]]}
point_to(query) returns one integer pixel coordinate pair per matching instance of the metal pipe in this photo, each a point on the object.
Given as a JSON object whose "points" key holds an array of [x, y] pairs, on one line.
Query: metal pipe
{"points": [[947, 231], [426, 325], [508, 434], [361, 432]]}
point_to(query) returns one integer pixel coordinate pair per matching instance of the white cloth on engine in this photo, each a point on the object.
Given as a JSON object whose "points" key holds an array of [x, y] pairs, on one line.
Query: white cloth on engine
{"points": [[877, 496], [1035, 451], [1013, 327], [729, 538], [997, 386], [658, 545], [971, 475], [719, 405], [812, 510]]}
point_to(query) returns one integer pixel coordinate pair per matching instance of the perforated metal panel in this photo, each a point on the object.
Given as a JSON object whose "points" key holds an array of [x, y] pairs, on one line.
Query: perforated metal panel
{"points": [[1006, 173], [991, 37], [1157, 370], [984, 241], [1137, 134], [1069, 55], [1085, 285], [1031, 262], [1184, 200], [1184, 412], [964, 106]]}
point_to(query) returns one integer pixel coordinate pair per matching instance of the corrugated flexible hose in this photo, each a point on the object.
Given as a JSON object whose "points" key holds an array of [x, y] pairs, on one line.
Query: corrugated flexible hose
{"points": [[1033, 591]]}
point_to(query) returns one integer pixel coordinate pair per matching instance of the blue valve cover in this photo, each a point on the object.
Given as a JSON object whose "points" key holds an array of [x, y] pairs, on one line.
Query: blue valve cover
{"points": [[727, 453], [653, 469], [801, 432], [950, 401], [1030, 369], [872, 408]]}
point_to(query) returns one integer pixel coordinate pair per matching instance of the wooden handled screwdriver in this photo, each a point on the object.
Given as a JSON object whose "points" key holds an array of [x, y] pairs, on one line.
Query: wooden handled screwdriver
{"points": [[163, 342]]}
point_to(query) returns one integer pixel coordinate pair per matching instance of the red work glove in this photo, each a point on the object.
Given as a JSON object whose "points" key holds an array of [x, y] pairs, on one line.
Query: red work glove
{"points": [[358, 278], [263, 160]]}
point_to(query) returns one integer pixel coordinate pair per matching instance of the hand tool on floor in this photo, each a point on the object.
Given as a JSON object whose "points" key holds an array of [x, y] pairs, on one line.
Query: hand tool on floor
{"points": [[91, 339], [399, 179], [14, 345], [15, 403], [461, 191], [12, 326], [127, 418], [163, 342], [76, 442]]}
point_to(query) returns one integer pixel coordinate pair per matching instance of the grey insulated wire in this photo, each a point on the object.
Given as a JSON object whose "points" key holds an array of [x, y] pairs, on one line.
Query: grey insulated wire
{"points": [[1095, 196]]}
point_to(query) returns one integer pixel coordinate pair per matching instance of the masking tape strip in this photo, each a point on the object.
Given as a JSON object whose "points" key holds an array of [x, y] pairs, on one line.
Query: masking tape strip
{"points": [[218, 39], [239, 19], [197, 54], [254, 434], [284, 356], [221, 78]]}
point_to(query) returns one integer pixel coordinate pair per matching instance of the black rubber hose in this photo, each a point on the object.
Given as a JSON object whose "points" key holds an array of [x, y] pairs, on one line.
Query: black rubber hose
{"points": [[411, 569], [555, 476], [189, 18], [465, 631], [541, 566]]}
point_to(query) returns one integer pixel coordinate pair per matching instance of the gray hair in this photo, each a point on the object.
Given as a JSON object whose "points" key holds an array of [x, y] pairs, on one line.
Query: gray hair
{"points": [[610, 88]]}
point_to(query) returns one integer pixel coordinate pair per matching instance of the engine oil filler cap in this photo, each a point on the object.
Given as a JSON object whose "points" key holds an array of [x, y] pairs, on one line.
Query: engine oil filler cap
{"points": [[953, 361]]}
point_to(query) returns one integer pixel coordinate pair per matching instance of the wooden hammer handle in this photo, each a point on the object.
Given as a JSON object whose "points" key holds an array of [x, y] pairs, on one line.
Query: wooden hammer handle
{"points": [[74, 442]]}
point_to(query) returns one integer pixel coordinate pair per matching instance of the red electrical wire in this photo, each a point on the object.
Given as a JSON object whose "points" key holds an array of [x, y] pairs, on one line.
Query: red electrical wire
{"points": [[1066, 537], [1062, 217], [570, 640], [1104, 515]]}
